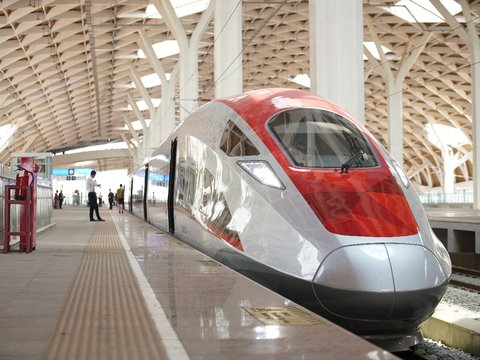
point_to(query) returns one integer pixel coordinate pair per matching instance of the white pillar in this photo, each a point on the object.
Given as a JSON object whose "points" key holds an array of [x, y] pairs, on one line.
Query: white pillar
{"points": [[228, 48], [146, 97], [168, 105], [395, 118], [163, 120], [449, 164], [475, 123], [188, 85], [141, 89], [336, 53], [139, 116], [471, 38], [394, 82], [188, 81]]}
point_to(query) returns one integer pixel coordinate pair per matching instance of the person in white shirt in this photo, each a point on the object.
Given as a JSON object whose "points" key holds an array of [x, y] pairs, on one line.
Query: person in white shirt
{"points": [[92, 196]]}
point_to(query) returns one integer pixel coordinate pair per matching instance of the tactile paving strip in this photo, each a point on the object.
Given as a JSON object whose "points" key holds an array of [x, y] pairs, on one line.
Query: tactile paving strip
{"points": [[105, 316]]}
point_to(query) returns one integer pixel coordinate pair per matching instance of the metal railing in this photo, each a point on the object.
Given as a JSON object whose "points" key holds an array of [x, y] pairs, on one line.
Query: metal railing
{"points": [[462, 197]]}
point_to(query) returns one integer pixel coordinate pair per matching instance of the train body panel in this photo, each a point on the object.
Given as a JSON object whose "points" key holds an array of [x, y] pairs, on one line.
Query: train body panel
{"points": [[157, 191], [249, 213], [137, 193], [332, 224]]}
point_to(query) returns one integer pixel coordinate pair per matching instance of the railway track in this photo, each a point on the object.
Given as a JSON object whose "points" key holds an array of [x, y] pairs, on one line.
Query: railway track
{"points": [[466, 278], [414, 355]]}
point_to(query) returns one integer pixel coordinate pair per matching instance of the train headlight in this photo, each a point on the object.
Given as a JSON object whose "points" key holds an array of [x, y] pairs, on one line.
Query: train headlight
{"points": [[262, 172], [401, 174]]}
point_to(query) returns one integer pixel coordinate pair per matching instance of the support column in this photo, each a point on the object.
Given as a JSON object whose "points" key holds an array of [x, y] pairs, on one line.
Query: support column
{"points": [[395, 118], [163, 121], [139, 116], [449, 163], [168, 105], [228, 70], [188, 85], [336, 53], [141, 89], [189, 81], [132, 151], [475, 124], [394, 83], [146, 97], [471, 38], [137, 112], [475, 61], [131, 129]]}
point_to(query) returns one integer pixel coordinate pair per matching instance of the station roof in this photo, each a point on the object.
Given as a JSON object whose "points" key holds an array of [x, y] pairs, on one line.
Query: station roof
{"points": [[65, 67]]}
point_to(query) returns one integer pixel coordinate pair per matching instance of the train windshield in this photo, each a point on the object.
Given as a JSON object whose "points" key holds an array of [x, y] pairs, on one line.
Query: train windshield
{"points": [[316, 138]]}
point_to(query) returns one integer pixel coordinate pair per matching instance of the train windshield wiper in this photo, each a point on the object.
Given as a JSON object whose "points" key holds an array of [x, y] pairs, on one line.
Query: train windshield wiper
{"points": [[346, 165]]}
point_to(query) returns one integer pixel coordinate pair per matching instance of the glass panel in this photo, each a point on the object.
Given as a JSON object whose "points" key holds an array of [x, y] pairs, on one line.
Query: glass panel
{"points": [[235, 143], [317, 138]]}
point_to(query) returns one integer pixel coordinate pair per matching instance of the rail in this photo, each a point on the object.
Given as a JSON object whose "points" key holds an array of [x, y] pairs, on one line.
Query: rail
{"points": [[466, 278]]}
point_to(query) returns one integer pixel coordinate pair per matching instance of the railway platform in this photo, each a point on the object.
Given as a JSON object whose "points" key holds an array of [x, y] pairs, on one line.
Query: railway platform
{"points": [[454, 323], [121, 289]]}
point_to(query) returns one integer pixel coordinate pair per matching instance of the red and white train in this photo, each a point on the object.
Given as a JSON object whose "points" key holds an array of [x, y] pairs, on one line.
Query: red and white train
{"points": [[288, 189]]}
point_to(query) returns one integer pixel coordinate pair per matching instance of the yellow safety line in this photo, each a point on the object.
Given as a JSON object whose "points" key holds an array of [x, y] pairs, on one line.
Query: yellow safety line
{"points": [[105, 315]]}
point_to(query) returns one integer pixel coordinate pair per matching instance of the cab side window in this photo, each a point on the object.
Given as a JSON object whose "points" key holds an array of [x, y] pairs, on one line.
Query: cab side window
{"points": [[235, 143]]}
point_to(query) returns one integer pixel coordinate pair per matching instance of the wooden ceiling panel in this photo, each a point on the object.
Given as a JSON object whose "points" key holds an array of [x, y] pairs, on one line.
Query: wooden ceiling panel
{"points": [[50, 77]]}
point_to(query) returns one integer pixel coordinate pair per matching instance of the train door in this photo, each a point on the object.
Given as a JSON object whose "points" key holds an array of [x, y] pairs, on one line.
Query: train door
{"points": [[171, 186], [130, 197], [145, 194]]}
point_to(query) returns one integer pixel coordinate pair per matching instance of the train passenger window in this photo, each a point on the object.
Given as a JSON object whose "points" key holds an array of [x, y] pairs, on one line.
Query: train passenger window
{"points": [[318, 138], [235, 143]]}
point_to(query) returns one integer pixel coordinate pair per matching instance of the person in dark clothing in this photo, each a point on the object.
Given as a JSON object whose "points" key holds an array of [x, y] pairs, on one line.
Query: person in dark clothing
{"points": [[110, 198], [60, 199], [92, 196]]}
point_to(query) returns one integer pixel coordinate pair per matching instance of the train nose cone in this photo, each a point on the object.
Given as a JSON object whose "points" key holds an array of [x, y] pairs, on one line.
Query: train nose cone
{"points": [[380, 281]]}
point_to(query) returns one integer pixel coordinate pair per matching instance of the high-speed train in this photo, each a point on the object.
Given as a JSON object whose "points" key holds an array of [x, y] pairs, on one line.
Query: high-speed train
{"points": [[291, 191]]}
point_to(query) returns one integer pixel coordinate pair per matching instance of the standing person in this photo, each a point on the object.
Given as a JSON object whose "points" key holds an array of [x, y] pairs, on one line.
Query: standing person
{"points": [[55, 200], [110, 198], [92, 196], [121, 199], [60, 199]]}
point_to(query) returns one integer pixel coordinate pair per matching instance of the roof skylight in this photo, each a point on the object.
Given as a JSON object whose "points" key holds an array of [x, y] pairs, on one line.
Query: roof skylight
{"points": [[162, 49], [137, 125], [108, 146], [151, 80], [6, 134], [148, 81], [142, 105], [302, 79], [442, 135], [151, 12], [422, 11], [182, 8], [370, 45]]}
